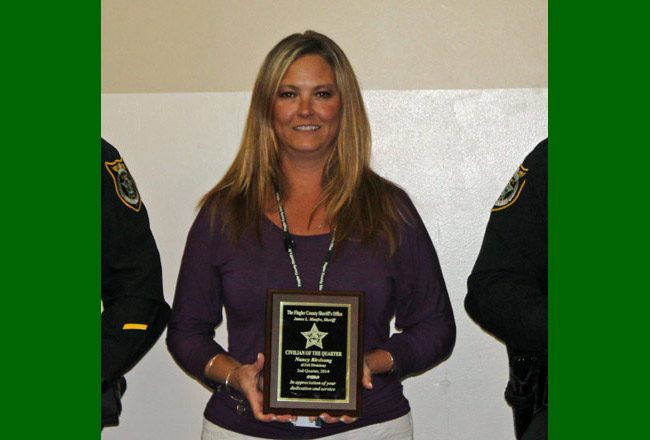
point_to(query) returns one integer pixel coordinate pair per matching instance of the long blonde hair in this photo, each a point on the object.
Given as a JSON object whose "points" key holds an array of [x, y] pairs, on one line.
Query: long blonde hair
{"points": [[356, 200]]}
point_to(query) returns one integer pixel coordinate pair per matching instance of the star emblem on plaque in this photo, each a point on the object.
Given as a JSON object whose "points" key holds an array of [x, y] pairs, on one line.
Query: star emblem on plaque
{"points": [[314, 337]]}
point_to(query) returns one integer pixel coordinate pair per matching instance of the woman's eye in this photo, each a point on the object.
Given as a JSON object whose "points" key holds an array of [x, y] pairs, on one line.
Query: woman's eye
{"points": [[287, 94], [323, 94]]}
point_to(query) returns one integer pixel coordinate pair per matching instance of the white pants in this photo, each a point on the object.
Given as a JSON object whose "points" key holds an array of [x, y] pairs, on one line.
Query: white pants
{"points": [[397, 429]]}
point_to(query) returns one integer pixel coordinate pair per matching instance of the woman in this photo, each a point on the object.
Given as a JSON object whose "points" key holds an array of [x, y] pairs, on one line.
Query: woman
{"points": [[302, 177]]}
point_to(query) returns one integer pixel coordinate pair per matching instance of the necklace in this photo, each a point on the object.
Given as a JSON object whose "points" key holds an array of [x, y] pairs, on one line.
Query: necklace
{"points": [[290, 244]]}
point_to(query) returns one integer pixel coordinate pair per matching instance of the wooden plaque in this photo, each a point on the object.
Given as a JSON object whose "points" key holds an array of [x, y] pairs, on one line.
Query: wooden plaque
{"points": [[314, 352]]}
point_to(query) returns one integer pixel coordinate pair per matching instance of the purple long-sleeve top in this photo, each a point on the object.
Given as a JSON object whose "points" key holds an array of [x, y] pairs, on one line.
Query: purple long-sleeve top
{"points": [[218, 275]]}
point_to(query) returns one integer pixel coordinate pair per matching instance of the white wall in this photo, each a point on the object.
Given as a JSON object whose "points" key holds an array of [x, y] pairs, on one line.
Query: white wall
{"points": [[452, 150]]}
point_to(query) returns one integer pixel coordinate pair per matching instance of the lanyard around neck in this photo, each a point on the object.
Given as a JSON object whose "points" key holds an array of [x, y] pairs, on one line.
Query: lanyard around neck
{"points": [[289, 244]]}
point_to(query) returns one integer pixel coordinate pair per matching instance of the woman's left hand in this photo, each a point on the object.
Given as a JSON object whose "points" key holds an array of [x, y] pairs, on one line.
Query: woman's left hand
{"points": [[374, 362]]}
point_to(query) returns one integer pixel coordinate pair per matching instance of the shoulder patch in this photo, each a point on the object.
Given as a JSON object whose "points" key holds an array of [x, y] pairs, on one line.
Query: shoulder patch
{"points": [[125, 187], [512, 191]]}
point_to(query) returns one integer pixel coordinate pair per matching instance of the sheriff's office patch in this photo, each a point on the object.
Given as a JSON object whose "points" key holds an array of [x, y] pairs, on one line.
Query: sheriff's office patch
{"points": [[124, 184], [512, 190]]}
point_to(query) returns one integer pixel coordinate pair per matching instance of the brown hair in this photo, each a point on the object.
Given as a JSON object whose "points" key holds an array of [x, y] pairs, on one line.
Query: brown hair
{"points": [[357, 201]]}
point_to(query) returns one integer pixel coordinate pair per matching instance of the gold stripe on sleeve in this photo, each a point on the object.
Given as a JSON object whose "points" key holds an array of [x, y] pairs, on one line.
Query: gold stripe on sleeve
{"points": [[131, 326]]}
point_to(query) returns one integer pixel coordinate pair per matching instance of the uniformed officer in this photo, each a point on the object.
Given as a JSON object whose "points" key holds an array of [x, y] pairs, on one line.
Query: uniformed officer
{"points": [[508, 289], [135, 312]]}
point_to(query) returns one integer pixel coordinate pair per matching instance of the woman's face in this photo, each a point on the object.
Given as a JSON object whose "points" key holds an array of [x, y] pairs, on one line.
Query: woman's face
{"points": [[307, 108]]}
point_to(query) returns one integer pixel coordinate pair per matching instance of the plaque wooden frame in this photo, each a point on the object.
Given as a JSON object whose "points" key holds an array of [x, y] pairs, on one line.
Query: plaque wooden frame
{"points": [[306, 379]]}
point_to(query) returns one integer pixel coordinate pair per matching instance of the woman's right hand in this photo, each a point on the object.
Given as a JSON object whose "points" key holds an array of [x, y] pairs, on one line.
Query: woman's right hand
{"points": [[248, 380]]}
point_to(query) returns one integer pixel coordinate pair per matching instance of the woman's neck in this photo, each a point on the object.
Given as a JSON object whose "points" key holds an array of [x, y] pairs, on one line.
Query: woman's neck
{"points": [[303, 178], [302, 193]]}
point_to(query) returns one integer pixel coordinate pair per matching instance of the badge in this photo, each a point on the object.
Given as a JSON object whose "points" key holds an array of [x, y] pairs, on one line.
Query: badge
{"points": [[512, 190], [314, 337], [124, 184]]}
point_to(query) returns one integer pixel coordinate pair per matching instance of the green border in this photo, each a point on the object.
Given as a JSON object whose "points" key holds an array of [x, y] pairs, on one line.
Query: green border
{"points": [[597, 303], [563, 403], [50, 323]]}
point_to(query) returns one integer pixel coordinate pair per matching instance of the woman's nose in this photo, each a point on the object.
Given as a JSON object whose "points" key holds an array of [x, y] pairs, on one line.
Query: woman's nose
{"points": [[305, 107]]}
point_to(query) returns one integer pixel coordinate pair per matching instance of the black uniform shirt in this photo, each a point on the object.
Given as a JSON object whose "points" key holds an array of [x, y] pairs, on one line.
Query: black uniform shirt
{"points": [[135, 312], [508, 288]]}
